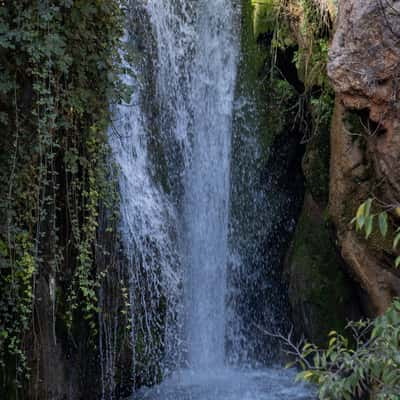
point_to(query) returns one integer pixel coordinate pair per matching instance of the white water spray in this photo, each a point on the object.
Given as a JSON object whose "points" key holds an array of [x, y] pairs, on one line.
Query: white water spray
{"points": [[177, 243], [197, 51]]}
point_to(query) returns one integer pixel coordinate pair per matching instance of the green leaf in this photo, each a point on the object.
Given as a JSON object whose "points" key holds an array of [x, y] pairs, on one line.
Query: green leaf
{"points": [[368, 204], [368, 226], [360, 216], [383, 223], [307, 375], [361, 210], [360, 222], [396, 241], [4, 334]]}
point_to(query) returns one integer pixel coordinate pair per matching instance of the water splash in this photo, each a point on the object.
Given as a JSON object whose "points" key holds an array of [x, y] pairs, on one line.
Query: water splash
{"points": [[147, 228], [206, 207], [230, 384], [176, 233], [197, 51]]}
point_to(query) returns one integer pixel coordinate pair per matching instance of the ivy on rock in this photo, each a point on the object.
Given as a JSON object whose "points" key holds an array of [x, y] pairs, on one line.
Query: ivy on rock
{"points": [[58, 77]]}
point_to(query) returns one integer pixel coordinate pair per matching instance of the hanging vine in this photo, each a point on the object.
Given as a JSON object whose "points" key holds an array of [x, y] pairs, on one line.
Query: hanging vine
{"points": [[58, 75]]}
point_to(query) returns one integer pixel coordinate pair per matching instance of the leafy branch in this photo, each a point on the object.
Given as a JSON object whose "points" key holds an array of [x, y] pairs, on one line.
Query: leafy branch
{"points": [[365, 221]]}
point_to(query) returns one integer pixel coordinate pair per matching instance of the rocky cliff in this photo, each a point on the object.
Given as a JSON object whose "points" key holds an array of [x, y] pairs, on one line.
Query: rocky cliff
{"points": [[364, 68]]}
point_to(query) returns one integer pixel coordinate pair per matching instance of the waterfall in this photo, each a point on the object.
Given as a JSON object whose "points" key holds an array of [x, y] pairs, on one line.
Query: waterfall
{"points": [[172, 143], [148, 224], [177, 243], [197, 50], [206, 204]]}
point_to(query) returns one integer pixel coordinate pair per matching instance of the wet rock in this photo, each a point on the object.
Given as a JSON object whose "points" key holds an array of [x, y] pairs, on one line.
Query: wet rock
{"points": [[354, 177], [364, 66]]}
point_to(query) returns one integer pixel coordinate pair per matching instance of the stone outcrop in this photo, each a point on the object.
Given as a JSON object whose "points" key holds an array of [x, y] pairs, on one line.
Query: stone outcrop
{"points": [[321, 294], [364, 67]]}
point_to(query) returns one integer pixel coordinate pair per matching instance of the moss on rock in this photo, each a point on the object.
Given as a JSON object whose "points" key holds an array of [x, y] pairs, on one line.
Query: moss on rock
{"points": [[316, 166], [320, 293], [272, 96]]}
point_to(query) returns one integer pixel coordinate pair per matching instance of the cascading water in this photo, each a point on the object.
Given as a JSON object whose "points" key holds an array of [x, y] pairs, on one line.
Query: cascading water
{"points": [[147, 226], [176, 227], [197, 56], [206, 206]]}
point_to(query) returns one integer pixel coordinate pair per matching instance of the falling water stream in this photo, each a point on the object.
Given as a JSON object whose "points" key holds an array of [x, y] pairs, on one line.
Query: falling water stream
{"points": [[177, 240]]}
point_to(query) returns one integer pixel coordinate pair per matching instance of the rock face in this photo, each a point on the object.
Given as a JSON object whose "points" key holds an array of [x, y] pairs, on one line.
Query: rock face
{"points": [[364, 57], [364, 67], [321, 294]]}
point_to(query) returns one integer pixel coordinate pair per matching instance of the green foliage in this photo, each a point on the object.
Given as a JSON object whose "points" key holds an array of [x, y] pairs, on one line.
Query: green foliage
{"points": [[268, 17], [322, 109], [16, 304], [365, 221], [58, 75], [311, 61], [307, 26], [312, 56], [372, 367]]}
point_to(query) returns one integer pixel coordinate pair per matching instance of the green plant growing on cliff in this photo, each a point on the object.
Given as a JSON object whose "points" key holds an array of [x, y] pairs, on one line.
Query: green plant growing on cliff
{"points": [[16, 305], [315, 28], [58, 76], [311, 60], [312, 22], [365, 219], [370, 367]]}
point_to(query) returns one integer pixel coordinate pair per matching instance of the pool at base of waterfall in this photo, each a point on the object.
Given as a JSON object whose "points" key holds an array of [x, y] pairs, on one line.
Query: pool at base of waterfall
{"points": [[230, 384]]}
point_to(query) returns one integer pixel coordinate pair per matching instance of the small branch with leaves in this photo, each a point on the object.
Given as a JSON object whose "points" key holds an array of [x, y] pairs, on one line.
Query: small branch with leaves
{"points": [[365, 219]]}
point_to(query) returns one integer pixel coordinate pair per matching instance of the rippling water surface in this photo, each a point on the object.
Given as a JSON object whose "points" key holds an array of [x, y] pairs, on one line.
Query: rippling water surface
{"points": [[230, 384]]}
